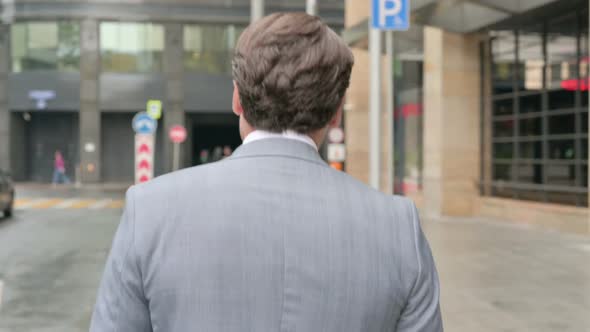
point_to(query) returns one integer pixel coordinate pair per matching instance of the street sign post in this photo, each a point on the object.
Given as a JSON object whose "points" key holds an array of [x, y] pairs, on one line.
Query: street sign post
{"points": [[145, 127], [388, 15], [177, 135], [144, 157]]}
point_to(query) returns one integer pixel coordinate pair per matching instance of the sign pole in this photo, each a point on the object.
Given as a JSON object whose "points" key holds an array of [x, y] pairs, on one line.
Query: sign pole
{"points": [[312, 7], [375, 108], [256, 10], [389, 46], [176, 157]]}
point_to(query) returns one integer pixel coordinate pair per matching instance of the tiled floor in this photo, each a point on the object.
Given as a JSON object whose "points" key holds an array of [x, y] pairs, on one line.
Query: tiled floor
{"points": [[499, 277]]}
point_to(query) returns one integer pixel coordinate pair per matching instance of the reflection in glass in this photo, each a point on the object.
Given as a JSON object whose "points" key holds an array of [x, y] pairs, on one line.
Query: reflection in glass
{"points": [[209, 47], [45, 46], [502, 172], [503, 106], [531, 127], [503, 150], [503, 128], [530, 103], [131, 47], [530, 59], [561, 175], [562, 58], [562, 124], [530, 173], [531, 150], [562, 149], [503, 55]]}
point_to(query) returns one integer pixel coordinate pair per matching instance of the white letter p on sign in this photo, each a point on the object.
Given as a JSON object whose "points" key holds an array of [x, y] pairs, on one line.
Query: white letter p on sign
{"points": [[395, 6]]}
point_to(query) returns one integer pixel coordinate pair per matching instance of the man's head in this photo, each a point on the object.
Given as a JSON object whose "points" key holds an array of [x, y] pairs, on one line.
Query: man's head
{"points": [[291, 72]]}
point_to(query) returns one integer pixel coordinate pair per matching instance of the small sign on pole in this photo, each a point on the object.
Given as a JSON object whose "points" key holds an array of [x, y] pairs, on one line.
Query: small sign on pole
{"points": [[154, 109], [391, 15], [336, 153], [177, 135], [144, 124]]}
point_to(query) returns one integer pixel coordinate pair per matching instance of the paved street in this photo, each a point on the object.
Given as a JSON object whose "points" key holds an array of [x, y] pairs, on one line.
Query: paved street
{"points": [[495, 277]]}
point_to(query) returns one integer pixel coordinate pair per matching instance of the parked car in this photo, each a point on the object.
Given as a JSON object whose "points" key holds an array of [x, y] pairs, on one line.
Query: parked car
{"points": [[6, 194]]}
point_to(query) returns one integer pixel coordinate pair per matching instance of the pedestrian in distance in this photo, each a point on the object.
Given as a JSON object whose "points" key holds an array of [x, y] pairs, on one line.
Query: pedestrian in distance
{"points": [[227, 151], [272, 238], [217, 154], [59, 169]]}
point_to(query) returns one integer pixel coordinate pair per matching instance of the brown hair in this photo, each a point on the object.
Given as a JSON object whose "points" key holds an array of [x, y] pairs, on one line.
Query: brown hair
{"points": [[292, 72]]}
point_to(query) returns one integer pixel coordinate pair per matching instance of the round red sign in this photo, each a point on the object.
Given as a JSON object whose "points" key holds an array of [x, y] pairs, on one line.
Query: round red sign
{"points": [[177, 134]]}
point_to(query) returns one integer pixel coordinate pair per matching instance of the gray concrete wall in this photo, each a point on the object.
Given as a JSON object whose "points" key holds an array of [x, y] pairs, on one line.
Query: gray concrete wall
{"points": [[174, 72], [66, 86], [18, 143], [4, 114], [90, 161]]}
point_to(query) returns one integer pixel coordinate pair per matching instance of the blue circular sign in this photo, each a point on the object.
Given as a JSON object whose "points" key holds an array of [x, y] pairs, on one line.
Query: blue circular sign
{"points": [[144, 124]]}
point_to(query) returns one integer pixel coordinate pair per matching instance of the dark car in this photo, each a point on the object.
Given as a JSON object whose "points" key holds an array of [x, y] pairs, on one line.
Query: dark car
{"points": [[6, 194]]}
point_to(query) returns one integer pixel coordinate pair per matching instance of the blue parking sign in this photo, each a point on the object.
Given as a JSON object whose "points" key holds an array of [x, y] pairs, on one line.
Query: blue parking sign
{"points": [[391, 14]]}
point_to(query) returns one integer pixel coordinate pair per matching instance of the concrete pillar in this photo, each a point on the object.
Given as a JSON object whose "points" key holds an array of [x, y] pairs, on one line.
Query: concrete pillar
{"points": [[5, 159], [451, 123], [174, 105], [90, 161]]}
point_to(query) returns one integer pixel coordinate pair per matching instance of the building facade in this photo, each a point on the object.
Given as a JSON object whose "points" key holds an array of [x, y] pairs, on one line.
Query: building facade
{"points": [[494, 121], [73, 74]]}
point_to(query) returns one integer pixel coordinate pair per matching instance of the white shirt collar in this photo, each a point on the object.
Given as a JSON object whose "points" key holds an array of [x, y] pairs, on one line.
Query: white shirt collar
{"points": [[289, 134]]}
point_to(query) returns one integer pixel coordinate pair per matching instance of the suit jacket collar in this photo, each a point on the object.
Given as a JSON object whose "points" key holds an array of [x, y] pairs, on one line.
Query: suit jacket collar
{"points": [[280, 147]]}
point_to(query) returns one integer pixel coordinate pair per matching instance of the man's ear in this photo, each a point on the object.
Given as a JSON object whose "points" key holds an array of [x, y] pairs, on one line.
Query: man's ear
{"points": [[337, 119], [236, 103]]}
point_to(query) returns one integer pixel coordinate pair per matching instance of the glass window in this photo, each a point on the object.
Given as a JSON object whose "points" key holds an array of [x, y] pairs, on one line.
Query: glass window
{"points": [[530, 59], [561, 175], [503, 128], [530, 103], [562, 149], [503, 150], [561, 70], [131, 47], [531, 127], [504, 106], [530, 173], [503, 55], [502, 172], [562, 124], [45, 46], [531, 150], [209, 48]]}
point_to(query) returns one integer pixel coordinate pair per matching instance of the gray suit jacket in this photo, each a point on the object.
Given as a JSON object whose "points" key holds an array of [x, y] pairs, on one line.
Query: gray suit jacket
{"points": [[271, 239]]}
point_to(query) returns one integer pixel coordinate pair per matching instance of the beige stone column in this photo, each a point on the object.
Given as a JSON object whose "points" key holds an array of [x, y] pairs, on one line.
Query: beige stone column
{"points": [[451, 123]]}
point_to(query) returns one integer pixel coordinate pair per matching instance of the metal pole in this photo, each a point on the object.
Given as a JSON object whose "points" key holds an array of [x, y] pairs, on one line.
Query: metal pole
{"points": [[176, 157], [256, 10], [312, 7], [7, 12], [375, 108], [389, 45]]}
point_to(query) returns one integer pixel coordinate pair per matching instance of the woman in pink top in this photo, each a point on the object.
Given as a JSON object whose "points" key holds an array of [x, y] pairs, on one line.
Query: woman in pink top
{"points": [[59, 169]]}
